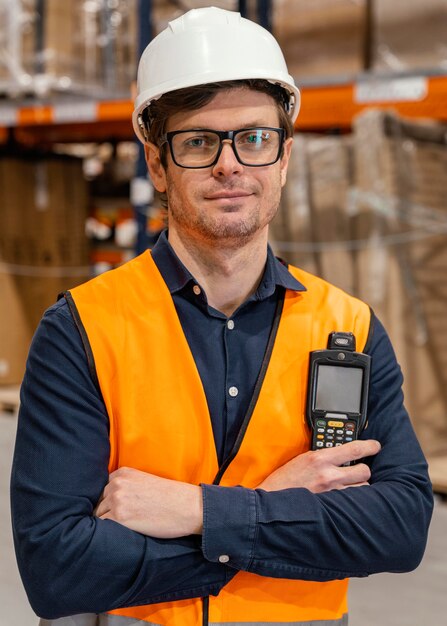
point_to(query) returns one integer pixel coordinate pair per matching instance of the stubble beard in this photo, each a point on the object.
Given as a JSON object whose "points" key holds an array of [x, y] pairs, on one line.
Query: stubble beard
{"points": [[218, 229]]}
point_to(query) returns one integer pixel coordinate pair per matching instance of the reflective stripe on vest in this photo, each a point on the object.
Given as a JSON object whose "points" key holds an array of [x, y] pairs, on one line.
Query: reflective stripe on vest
{"points": [[145, 367], [118, 620]]}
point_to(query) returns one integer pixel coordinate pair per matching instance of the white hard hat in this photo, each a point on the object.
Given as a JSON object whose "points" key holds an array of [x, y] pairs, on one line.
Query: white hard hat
{"points": [[210, 45]]}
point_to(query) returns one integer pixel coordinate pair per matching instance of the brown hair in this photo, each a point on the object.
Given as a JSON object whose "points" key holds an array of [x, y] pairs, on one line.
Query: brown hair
{"points": [[191, 98]]}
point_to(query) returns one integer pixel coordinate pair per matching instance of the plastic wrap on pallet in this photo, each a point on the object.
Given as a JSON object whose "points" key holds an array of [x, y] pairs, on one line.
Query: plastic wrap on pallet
{"points": [[313, 227], [76, 47], [42, 227], [401, 177], [409, 35], [17, 46], [43, 248]]}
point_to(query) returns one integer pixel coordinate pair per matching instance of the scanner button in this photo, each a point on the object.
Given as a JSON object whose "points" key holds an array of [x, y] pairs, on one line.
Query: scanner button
{"points": [[335, 424]]}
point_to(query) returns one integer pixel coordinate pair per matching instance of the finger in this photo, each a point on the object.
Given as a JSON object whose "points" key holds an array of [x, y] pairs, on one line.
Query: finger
{"points": [[355, 485], [106, 515], [102, 508], [351, 451], [355, 474]]}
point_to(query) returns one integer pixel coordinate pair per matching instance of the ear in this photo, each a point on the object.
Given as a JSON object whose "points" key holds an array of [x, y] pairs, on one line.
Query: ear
{"points": [[155, 167], [284, 163]]}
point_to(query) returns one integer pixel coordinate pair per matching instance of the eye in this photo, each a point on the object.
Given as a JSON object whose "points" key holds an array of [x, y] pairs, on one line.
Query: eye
{"points": [[195, 142], [254, 138], [198, 141]]}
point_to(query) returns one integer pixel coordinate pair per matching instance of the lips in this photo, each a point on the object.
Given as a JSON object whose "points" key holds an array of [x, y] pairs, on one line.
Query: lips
{"points": [[224, 195]]}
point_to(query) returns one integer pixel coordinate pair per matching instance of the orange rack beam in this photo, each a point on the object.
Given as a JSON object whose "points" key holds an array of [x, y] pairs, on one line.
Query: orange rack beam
{"points": [[323, 107], [336, 106]]}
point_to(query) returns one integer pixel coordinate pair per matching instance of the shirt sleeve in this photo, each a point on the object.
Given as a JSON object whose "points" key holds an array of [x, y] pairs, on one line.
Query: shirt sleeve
{"points": [[70, 561], [354, 532]]}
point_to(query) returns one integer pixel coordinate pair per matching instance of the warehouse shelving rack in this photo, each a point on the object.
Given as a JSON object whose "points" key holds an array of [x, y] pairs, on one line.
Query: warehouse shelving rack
{"points": [[325, 105]]}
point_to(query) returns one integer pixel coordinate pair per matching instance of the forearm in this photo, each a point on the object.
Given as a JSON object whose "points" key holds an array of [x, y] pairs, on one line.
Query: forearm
{"points": [[92, 566], [70, 561], [294, 533], [297, 533]]}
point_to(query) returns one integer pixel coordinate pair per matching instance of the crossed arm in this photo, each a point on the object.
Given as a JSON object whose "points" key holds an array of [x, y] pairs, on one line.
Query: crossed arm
{"points": [[163, 508], [67, 543]]}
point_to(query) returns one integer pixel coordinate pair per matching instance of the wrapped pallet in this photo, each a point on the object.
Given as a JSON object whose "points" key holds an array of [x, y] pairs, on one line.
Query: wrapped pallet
{"points": [[402, 216], [43, 248], [17, 46], [88, 46], [313, 228], [54, 46]]}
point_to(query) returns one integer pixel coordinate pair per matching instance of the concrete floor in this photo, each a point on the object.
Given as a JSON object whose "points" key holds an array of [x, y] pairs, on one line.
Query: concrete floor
{"points": [[415, 599]]}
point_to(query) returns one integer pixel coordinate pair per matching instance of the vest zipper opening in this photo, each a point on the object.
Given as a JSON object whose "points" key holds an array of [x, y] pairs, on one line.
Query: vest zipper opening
{"points": [[256, 392], [205, 611]]}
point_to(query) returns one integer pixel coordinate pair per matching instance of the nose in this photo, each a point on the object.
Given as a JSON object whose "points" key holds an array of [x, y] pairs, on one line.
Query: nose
{"points": [[227, 163]]}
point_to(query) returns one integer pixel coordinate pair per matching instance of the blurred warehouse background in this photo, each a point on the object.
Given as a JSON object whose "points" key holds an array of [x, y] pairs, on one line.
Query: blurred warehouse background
{"points": [[365, 206]]}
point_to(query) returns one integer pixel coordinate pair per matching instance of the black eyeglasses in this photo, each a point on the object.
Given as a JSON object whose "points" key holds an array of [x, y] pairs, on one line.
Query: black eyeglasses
{"points": [[198, 148]]}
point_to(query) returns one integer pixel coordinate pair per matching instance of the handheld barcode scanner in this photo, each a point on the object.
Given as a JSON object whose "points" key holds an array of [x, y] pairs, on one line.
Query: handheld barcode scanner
{"points": [[337, 394]]}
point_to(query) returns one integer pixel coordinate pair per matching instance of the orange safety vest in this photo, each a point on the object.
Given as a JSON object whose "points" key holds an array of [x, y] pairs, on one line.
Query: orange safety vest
{"points": [[160, 422]]}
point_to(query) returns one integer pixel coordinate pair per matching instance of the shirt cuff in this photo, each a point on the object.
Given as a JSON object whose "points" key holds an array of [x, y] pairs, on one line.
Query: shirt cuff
{"points": [[229, 525]]}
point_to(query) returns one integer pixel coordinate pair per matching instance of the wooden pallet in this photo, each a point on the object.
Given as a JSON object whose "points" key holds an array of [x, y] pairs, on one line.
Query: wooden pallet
{"points": [[438, 474], [9, 399]]}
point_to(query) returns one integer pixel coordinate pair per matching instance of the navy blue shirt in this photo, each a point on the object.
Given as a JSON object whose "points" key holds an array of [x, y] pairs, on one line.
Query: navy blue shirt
{"points": [[71, 562], [228, 372]]}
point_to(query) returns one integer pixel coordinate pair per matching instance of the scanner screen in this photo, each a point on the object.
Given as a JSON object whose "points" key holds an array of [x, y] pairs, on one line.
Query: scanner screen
{"points": [[339, 389]]}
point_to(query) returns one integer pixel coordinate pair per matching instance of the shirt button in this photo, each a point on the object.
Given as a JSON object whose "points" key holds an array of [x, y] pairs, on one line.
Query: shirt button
{"points": [[230, 324], [224, 558], [233, 391], [197, 290]]}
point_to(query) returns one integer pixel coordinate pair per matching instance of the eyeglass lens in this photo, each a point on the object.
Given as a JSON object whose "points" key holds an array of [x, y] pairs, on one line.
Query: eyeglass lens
{"points": [[199, 148]]}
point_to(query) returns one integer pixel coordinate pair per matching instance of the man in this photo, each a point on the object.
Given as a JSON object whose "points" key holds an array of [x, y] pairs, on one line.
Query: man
{"points": [[162, 472]]}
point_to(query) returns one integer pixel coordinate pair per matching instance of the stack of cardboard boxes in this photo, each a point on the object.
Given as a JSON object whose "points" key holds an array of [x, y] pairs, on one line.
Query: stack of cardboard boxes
{"points": [[313, 228], [43, 248], [368, 212], [401, 177], [71, 46]]}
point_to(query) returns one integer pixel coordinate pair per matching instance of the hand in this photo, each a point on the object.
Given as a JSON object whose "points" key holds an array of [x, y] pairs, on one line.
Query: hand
{"points": [[322, 470], [153, 506]]}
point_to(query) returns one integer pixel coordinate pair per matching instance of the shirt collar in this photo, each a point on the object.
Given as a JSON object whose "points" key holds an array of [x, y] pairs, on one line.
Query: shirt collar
{"points": [[177, 276]]}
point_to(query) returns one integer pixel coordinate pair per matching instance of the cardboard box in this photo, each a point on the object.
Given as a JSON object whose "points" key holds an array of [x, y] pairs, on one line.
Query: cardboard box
{"points": [[321, 38], [15, 333]]}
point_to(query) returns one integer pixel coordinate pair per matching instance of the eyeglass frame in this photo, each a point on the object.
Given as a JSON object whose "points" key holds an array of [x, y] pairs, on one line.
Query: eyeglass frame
{"points": [[223, 135]]}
